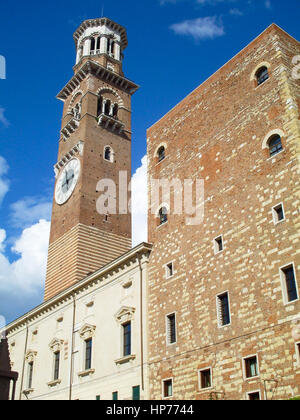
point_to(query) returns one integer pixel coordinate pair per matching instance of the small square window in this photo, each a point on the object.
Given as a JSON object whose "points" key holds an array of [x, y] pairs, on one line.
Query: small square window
{"points": [[205, 379], [254, 396], [169, 270], [218, 244], [278, 213], [251, 367], [168, 388], [289, 284]]}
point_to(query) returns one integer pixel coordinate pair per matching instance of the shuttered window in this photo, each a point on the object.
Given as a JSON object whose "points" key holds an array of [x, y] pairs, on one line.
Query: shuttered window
{"points": [[223, 310], [136, 393], [171, 329]]}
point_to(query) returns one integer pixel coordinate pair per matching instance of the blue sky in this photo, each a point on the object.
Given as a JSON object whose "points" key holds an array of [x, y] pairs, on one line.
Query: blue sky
{"points": [[174, 45]]}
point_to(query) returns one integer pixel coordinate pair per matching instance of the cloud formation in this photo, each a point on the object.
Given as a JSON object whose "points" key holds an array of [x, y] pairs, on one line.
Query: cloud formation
{"points": [[200, 28], [4, 183], [30, 210], [3, 119]]}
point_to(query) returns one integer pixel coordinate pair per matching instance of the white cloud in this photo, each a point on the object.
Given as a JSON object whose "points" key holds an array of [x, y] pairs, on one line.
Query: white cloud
{"points": [[30, 210], [26, 275], [139, 204], [4, 183], [3, 119], [201, 28]]}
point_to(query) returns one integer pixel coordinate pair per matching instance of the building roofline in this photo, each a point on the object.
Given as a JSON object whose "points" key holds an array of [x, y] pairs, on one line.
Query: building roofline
{"points": [[142, 248], [268, 29]]}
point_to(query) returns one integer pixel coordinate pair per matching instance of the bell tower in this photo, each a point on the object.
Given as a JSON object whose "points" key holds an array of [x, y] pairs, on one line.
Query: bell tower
{"points": [[94, 144]]}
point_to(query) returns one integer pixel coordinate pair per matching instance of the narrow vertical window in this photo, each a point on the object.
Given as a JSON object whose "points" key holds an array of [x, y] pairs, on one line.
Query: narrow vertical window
{"points": [[278, 213], [251, 367], [169, 270], [88, 354], [115, 396], [171, 329], [127, 339], [56, 365], [98, 397], [205, 378], [163, 216], [298, 352], [93, 44], [161, 154], [136, 393], [218, 243], [100, 105], [223, 310], [168, 388], [290, 283], [30, 375], [108, 154]]}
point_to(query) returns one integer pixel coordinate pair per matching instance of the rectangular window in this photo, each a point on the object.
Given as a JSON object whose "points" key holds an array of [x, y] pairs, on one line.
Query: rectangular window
{"points": [[168, 388], [171, 329], [218, 242], [98, 398], [223, 309], [298, 352], [88, 354], [127, 339], [30, 375], [251, 367], [56, 365], [169, 270], [115, 396], [136, 393], [254, 396], [278, 213], [205, 378], [290, 285]]}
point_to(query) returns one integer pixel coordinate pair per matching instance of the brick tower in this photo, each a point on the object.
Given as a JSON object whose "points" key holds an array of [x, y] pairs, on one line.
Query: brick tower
{"points": [[95, 144]]}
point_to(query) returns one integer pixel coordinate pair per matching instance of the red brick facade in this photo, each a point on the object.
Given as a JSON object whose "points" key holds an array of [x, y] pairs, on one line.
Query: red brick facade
{"points": [[219, 134]]}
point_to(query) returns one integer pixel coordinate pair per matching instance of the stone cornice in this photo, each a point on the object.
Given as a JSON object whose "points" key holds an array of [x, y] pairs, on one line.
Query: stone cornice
{"points": [[141, 251], [102, 22], [91, 67]]}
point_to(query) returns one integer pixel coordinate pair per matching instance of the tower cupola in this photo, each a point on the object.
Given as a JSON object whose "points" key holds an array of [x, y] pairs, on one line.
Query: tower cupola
{"points": [[103, 40]]}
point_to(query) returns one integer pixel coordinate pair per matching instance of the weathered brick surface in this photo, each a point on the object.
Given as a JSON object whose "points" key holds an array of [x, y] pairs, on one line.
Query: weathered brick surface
{"points": [[216, 134]]}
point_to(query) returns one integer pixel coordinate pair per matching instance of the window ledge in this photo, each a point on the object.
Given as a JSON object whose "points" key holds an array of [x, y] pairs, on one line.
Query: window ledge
{"points": [[86, 373], [54, 383], [275, 156], [253, 378], [125, 359], [28, 391], [163, 224]]}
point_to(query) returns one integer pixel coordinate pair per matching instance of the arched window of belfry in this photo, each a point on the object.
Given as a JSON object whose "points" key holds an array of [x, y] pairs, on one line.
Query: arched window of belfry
{"points": [[107, 107], [93, 44], [100, 105], [262, 75], [115, 110]]}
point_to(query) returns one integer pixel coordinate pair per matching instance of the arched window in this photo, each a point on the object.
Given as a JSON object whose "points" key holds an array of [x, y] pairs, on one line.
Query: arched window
{"points": [[163, 215], [107, 107], [108, 154], [100, 105], [93, 44], [275, 145], [98, 43], [115, 110], [262, 75], [161, 154]]}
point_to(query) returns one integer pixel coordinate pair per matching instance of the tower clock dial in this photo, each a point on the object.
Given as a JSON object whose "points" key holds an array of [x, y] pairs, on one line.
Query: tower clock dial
{"points": [[67, 181]]}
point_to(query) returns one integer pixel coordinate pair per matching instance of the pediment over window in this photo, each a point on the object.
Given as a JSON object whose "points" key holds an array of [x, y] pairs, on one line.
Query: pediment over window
{"points": [[56, 345], [87, 331], [125, 314], [30, 356]]}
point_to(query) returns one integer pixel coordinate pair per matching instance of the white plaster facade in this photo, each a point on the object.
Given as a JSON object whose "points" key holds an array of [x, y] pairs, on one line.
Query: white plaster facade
{"points": [[96, 308]]}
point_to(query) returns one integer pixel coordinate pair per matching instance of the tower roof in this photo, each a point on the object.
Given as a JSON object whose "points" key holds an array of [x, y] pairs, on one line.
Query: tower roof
{"points": [[102, 22]]}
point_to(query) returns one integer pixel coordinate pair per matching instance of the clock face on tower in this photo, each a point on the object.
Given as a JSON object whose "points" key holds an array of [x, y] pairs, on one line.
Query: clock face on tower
{"points": [[67, 181]]}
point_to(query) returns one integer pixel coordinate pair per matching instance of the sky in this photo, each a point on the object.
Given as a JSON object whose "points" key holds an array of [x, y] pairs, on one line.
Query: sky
{"points": [[174, 45]]}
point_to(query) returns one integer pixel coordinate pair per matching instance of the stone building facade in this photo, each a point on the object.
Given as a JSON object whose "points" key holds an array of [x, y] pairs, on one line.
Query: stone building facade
{"points": [[224, 295], [75, 345]]}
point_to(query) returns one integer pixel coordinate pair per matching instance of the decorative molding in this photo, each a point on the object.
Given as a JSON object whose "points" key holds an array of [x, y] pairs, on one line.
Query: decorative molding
{"points": [[86, 373], [77, 149], [125, 359], [56, 345], [87, 331], [52, 384], [70, 128], [125, 314], [110, 122], [105, 89], [30, 356]]}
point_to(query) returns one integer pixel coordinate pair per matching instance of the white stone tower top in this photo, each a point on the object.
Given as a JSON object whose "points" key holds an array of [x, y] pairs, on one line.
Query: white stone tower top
{"points": [[100, 36]]}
